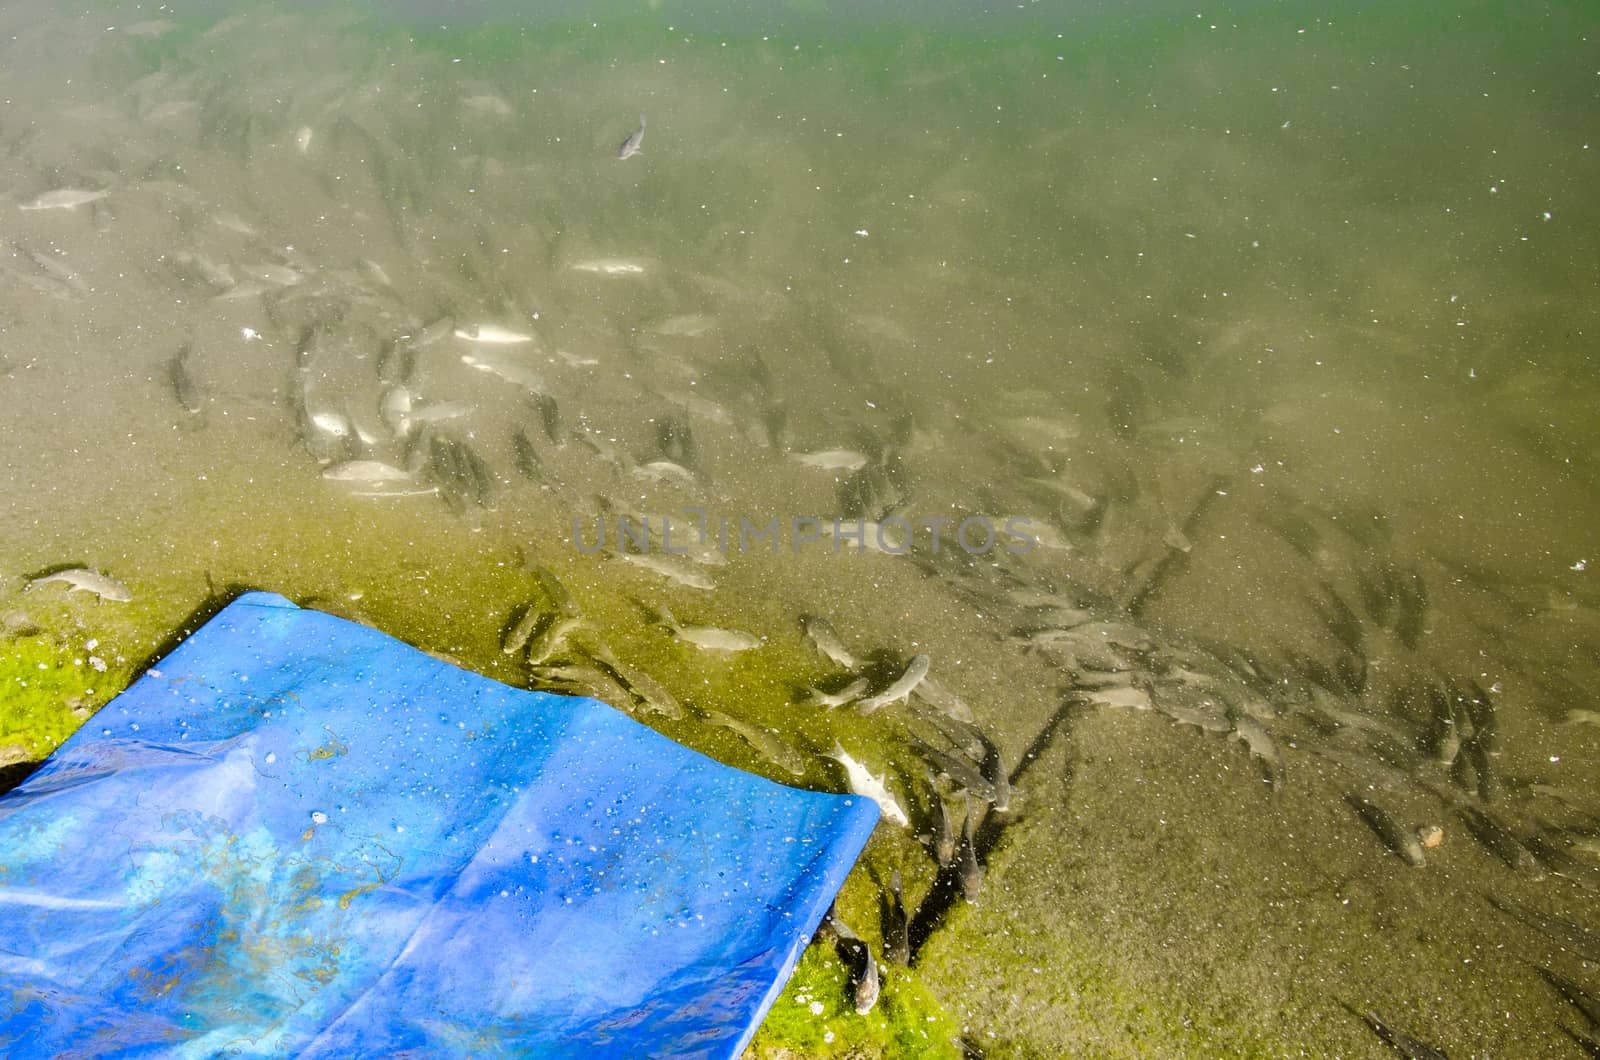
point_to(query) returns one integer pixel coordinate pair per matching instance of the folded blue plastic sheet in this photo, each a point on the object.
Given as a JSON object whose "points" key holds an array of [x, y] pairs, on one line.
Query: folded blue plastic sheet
{"points": [[298, 836]]}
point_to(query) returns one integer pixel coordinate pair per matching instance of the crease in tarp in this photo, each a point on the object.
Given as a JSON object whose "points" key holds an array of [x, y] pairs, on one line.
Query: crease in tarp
{"points": [[410, 939]]}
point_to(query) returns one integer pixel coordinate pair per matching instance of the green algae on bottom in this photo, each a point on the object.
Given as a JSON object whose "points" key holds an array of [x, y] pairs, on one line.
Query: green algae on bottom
{"points": [[815, 1017], [47, 689]]}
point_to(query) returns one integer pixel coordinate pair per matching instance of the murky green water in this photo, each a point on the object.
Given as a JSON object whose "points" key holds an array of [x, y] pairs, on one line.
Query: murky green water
{"points": [[1278, 327]]}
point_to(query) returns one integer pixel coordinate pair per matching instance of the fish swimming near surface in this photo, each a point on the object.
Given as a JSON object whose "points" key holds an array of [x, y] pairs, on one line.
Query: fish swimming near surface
{"points": [[632, 145]]}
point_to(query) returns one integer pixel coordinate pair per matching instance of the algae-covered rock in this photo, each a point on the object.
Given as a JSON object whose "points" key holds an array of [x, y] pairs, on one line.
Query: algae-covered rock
{"points": [[47, 688], [816, 1017]]}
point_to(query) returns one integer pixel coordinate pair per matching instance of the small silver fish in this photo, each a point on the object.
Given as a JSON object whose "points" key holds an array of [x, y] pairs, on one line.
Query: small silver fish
{"points": [[897, 930], [962, 771], [944, 833], [1262, 746], [1401, 841], [64, 199], [517, 636], [970, 871], [82, 579], [857, 955], [665, 471], [202, 268], [395, 410], [510, 370], [552, 637], [610, 267], [493, 335], [371, 471], [833, 460], [994, 770], [765, 742], [708, 637], [816, 697], [902, 687], [673, 572], [867, 984], [266, 272], [631, 146], [438, 412], [646, 690], [826, 639], [863, 783], [937, 696], [430, 333]]}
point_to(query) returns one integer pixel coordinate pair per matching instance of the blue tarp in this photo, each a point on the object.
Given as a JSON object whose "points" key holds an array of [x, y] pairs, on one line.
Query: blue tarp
{"points": [[296, 835]]}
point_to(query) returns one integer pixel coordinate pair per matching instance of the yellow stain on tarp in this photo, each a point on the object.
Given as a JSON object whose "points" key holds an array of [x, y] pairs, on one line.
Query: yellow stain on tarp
{"points": [[332, 749], [347, 897]]}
